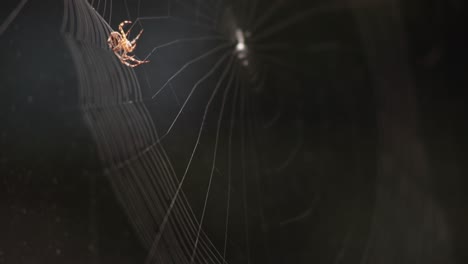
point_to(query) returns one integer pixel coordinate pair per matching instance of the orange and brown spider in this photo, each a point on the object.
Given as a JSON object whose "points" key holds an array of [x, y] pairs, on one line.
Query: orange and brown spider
{"points": [[121, 46]]}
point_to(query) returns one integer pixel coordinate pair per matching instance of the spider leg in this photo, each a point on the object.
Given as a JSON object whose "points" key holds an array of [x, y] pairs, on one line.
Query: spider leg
{"points": [[116, 49], [131, 58], [125, 59], [137, 62], [121, 27], [128, 64], [133, 42], [122, 59]]}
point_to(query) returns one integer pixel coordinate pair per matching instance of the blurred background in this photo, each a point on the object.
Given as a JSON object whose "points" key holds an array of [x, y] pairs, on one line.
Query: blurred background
{"points": [[349, 128]]}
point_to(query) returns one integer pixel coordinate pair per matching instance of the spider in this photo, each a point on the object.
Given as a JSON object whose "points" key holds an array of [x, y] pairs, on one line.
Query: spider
{"points": [[121, 46]]}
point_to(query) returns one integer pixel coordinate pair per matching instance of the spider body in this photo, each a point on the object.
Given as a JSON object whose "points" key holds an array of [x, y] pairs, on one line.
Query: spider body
{"points": [[122, 47]]}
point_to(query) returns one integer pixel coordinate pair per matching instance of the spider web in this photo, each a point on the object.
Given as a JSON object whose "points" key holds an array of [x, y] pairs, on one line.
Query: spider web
{"points": [[208, 148], [187, 139]]}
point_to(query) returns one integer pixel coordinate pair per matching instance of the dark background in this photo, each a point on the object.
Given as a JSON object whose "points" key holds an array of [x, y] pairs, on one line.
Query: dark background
{"points": [[381, 172]]}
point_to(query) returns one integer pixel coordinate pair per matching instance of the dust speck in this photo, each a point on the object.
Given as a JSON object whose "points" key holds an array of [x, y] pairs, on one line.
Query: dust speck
{"points": [[91, 247]]}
